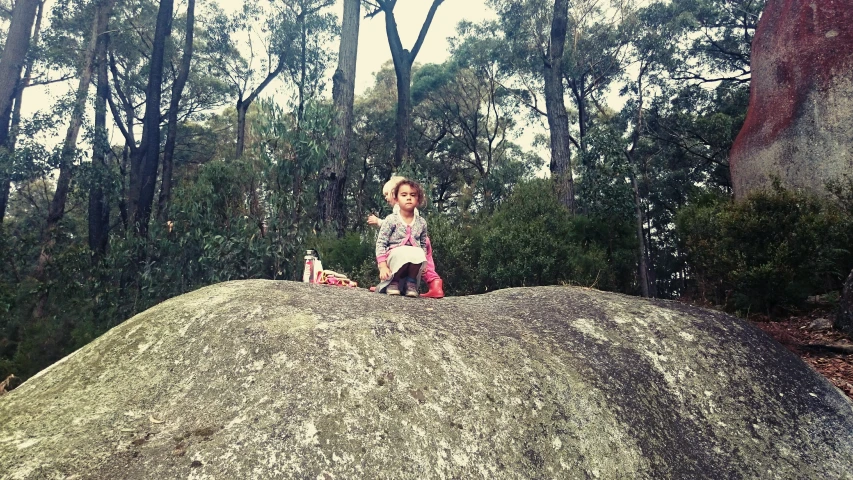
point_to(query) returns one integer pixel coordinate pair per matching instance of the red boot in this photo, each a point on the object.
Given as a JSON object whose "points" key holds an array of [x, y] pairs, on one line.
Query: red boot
{"points": [[436, 289]]}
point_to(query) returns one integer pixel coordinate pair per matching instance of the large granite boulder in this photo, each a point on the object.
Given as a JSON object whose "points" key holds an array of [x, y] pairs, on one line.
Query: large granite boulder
{"points": [[799, 126], [268, 380]]}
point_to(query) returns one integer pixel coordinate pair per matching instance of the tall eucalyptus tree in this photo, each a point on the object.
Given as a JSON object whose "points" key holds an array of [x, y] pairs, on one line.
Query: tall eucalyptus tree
{"points": [[334, 174], [172, 115], [536, 33], [282, 29], [12, 62], [403, 60], [144, 164]]}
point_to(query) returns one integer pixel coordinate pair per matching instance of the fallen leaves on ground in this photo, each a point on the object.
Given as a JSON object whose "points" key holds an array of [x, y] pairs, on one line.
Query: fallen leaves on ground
{"points": [[801, 335]]}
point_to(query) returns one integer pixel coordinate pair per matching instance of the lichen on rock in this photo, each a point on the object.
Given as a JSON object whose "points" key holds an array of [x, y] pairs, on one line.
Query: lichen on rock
{"points": [[262, 379]]}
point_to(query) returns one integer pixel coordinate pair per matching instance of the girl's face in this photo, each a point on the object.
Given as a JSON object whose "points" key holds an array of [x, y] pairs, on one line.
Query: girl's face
{"points": [[407, 198]]}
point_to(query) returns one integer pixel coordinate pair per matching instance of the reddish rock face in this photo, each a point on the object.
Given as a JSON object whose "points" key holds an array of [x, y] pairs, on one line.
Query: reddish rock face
{"points": [[799, 127]]}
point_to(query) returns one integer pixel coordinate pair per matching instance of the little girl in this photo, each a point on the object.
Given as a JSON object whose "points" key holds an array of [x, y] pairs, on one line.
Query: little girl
{"points": [[402, 243], [433, 281]]}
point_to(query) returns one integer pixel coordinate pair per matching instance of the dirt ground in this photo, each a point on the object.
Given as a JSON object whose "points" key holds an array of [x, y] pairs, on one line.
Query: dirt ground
{"points": [[811, 336]]}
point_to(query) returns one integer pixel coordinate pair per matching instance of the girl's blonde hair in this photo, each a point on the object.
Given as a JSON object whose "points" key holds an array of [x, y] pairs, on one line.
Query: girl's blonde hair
{"points": [[391, 185]]}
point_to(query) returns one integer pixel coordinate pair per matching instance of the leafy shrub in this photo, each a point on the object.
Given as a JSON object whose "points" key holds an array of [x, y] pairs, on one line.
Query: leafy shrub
{"points": [[771, 250], [532, 240], [353, 255], [457, 245]]}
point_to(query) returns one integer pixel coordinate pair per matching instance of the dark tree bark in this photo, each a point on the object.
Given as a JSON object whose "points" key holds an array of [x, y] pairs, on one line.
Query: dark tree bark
{"points": [[579, 93], [6, 156], [56, 209], [99, 206], [11, 63], [343, 95], [147, 158], [25, 82], [244, 104], [403, 60], [558, 119], [643, 268], [124, 119], [172, 132]]}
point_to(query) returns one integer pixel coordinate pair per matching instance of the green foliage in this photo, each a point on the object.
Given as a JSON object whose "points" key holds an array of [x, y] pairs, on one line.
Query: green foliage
{"points": [[769, 251], [248, 218], [457, 247], [532, 240], [352, 255]]}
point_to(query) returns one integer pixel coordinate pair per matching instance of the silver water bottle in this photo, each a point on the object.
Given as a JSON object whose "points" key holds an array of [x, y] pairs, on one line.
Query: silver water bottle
{"points": [[308, 271]]}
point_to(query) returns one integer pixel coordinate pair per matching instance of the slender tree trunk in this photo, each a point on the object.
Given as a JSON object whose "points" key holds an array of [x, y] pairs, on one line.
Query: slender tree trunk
{"points": [[122, 201], [6, 180], [15, 50], [6, 159], [13, 126], [149, 152], [303, 71], [643, 265], [403, 60], [343, 96], [99, 206], [124, 119], [558, 119], [242, 106], [650, 264], [362, 182], [403, 121], [643, 269], [11, 63], [583, 115], [56, 210], [172, 133], [25, 82]]}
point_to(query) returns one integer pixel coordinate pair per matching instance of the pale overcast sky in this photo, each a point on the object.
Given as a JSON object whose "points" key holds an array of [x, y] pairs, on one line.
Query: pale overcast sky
{"points": [[373, 48]]}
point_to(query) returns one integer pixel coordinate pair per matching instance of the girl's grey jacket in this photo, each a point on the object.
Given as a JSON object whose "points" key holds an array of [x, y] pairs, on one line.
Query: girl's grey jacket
{"points": [[394, 233]]}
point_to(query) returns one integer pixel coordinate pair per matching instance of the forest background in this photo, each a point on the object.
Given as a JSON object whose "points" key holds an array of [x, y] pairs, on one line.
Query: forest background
{"points": [[631, 107]]}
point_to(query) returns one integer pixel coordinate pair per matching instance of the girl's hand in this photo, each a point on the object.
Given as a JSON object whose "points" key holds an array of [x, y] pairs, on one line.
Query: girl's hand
{"points": [[372, 219], [384, 272]]}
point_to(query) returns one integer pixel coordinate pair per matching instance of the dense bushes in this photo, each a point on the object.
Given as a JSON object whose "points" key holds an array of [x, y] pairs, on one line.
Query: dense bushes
{"points": [[533, 240], [529, 240], [212, 235], [770, 251]]}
